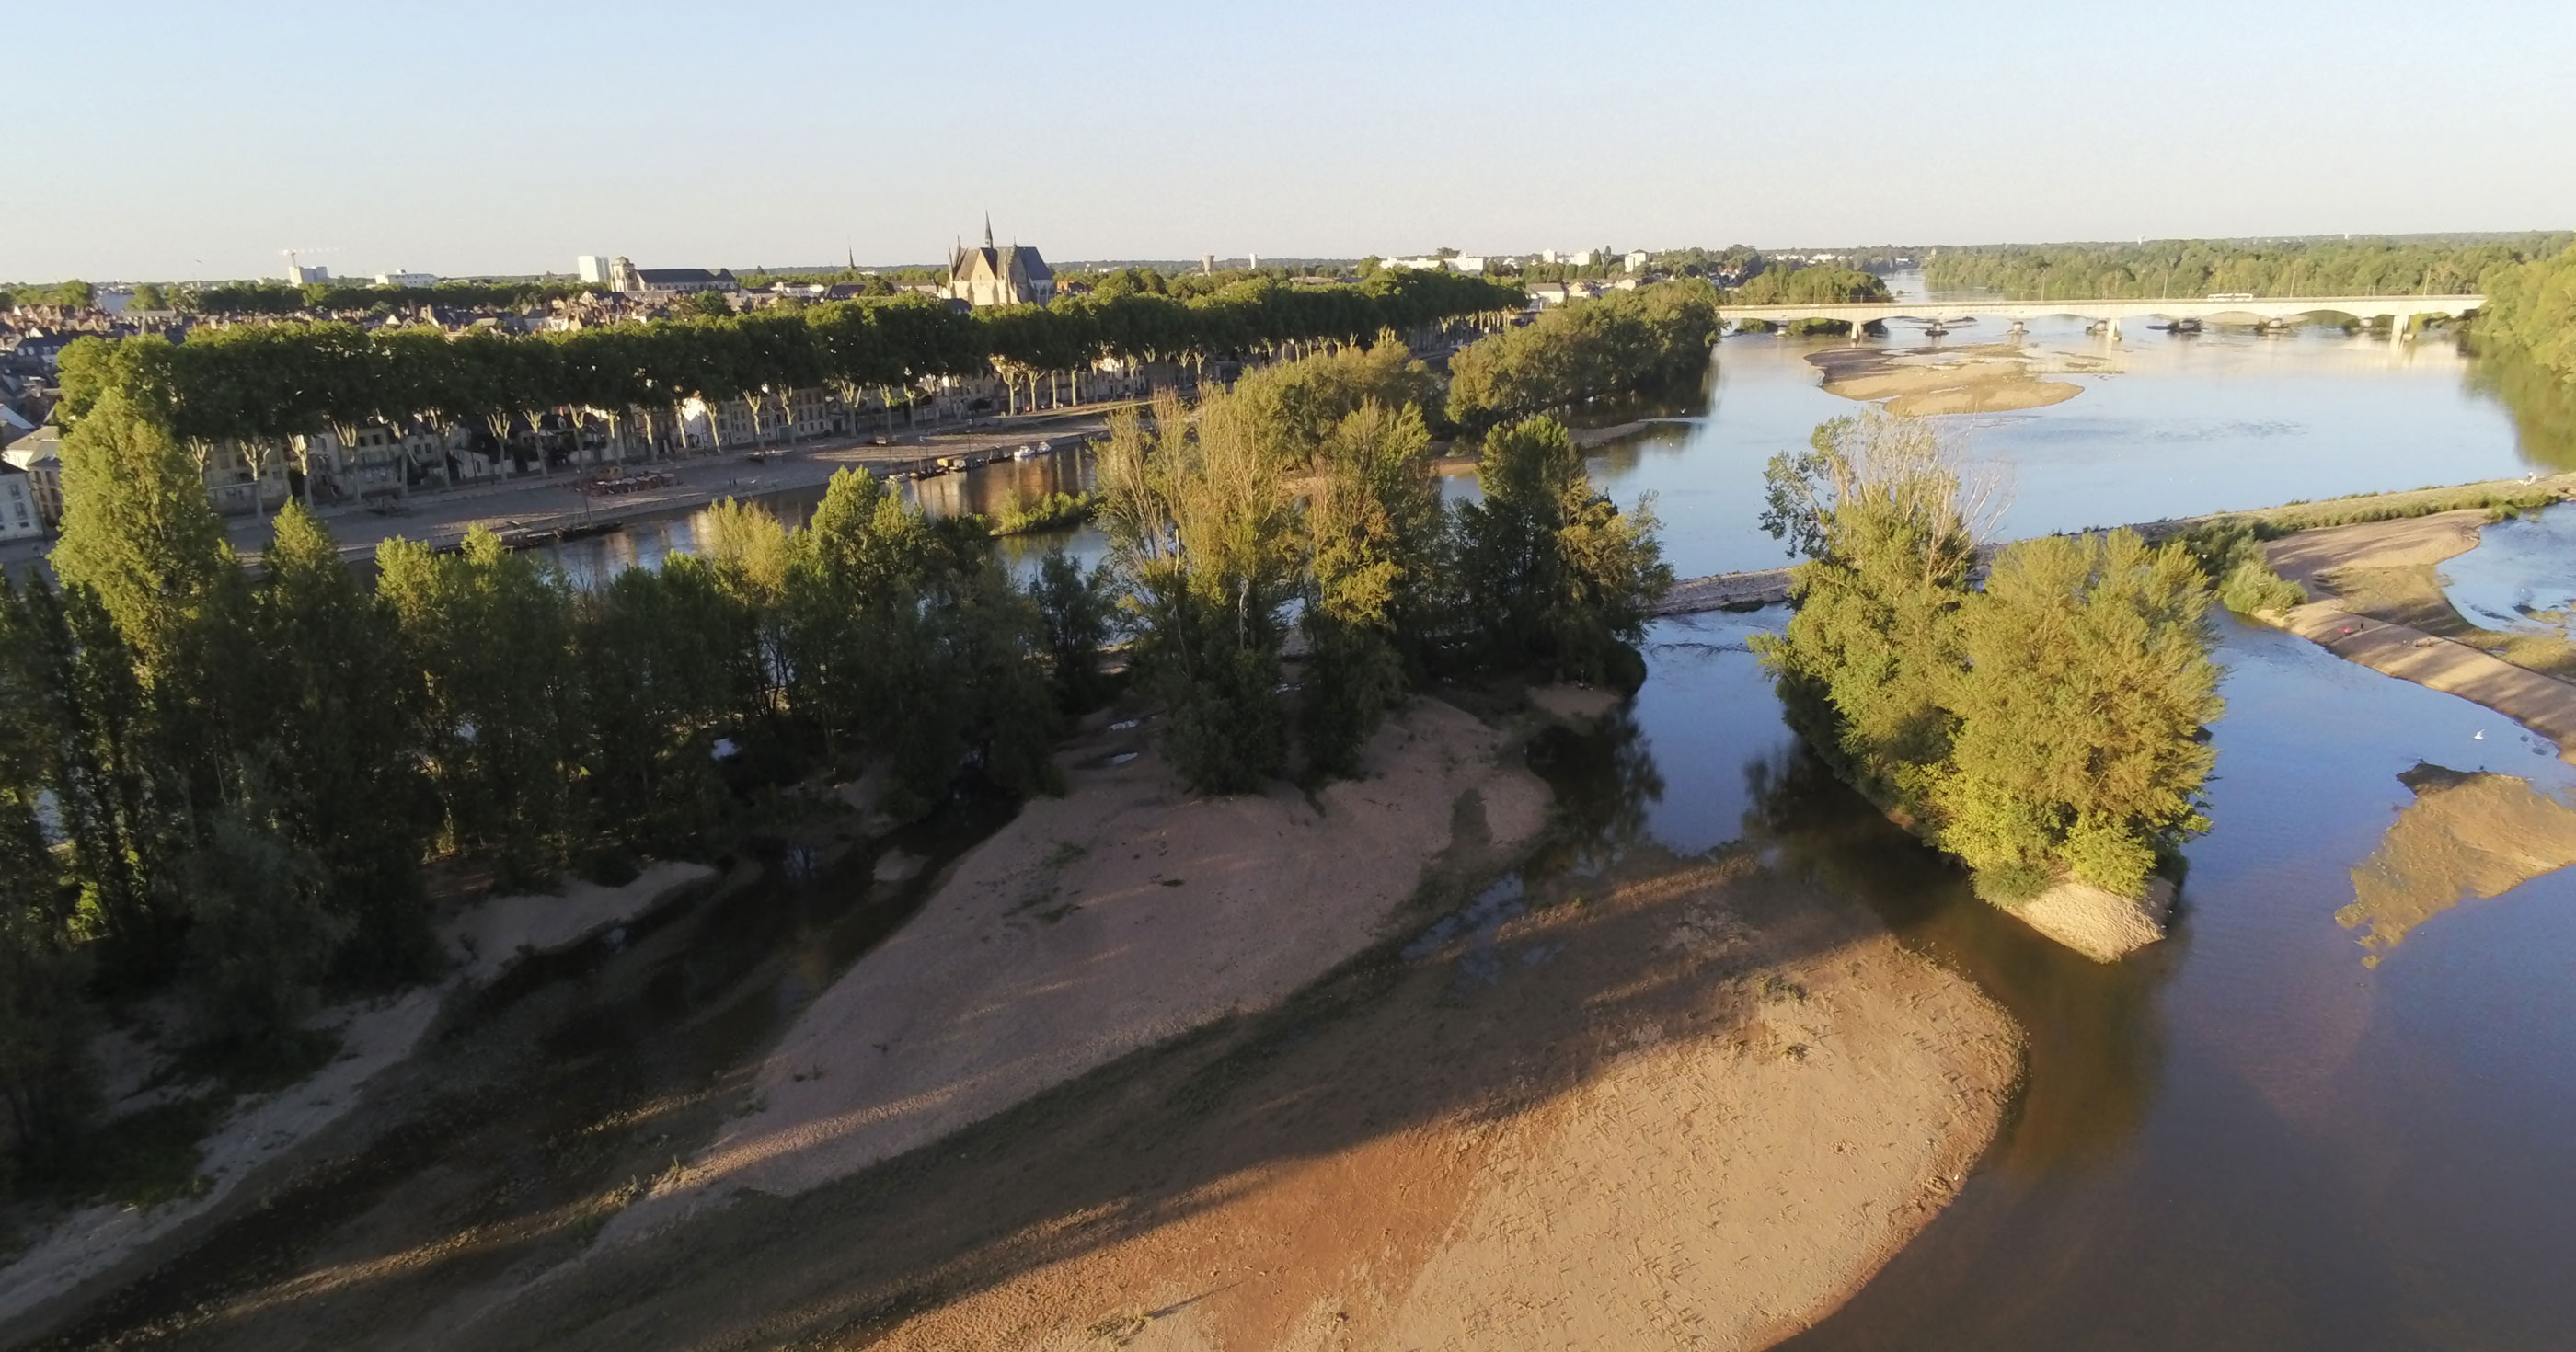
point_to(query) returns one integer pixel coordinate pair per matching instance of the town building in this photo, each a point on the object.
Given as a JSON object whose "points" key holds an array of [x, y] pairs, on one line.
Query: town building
{"points": [[1005, 276], [18, 517], [625, 276], [591, 268], [400, 278], [38, 456], [1636, 260]]}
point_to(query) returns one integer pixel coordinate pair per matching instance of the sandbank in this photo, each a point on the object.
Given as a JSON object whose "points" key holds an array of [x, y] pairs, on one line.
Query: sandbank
{"points": [[1116, 917], [1716, 1105], [2465, 835], [1930, 381]]}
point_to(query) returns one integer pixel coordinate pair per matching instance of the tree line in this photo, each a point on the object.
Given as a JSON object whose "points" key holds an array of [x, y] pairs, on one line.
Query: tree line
{"points": [[2193, 268], [2047, 725], [1821, 284], [2530, 314], [274, 381], [229, 786]]}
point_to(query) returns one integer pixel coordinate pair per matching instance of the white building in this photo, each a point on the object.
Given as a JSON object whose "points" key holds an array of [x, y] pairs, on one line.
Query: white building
{"points": [[401, 278], [19, 519], [1636, 260], [591, 268], [38, 456], [299, 275]]}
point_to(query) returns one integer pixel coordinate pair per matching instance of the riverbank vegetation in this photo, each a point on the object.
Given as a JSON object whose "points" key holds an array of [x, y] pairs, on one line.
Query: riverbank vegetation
{"points": [[1647, 339], [1823, 284], [2530, 314], [1026, 514], [2043, 728], [228, 788], [2189, 269], [1303, 499]]}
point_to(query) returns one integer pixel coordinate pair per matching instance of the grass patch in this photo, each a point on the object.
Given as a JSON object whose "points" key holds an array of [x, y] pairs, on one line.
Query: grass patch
{"points": [[2410, 596], [2499, 500]]}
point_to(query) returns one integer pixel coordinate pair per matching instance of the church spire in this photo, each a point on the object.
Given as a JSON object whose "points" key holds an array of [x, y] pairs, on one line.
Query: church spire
{"points": [[988, 230]]}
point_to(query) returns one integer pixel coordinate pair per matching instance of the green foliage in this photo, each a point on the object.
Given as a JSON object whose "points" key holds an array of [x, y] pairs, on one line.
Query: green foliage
{"points": [[1200, 517], [2229, 554], [1645, 339], [2531, 312], [1051, 511], [2083, 683], [1079, 612], [343, 706], [262, 934], [1553, 575], [1824, 284], [2192, 268], [502, 701], [137, 529], [2048, 726]]}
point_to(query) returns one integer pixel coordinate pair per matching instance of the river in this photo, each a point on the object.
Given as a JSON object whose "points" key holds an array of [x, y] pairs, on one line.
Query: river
{"points": [[2252, 1134]]}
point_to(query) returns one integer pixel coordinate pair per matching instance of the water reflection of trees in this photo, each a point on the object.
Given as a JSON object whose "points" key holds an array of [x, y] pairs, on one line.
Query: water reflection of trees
{"points": [[2541, 403], [2096, 1047], [1605, 780]]}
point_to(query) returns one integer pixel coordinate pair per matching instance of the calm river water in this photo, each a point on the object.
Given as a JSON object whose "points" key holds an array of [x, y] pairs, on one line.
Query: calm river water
{"points": [[2243, 1137]]}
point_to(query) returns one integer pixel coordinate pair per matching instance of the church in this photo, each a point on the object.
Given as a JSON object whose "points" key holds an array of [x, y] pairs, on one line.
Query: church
{"points": [[991, 276]]}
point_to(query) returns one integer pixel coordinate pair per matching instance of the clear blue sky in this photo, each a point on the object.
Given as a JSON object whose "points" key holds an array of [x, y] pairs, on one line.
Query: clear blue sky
{"points": [[198, 139]]}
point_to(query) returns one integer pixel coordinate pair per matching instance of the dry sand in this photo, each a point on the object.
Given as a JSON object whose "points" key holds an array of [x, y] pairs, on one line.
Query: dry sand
{"points": [[1121, 915], [2101, 925], [2465, 835], [1773, 1097], [374, 1036], [1921, 382]]}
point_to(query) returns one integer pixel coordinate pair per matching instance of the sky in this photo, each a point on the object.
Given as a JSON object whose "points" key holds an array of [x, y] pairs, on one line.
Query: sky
{"points": [[198, 140]]}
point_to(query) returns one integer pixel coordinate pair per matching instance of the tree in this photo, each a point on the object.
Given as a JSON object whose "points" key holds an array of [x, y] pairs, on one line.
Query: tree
{"points": [[149, 296], [45, 1081], [710, 305], [1887, 514], [137, 528], [262, 933], [344, 702], [1200, 522], [503, 703], [1555, 576], [1078, 612], [2084, 686], [1375, 544]]}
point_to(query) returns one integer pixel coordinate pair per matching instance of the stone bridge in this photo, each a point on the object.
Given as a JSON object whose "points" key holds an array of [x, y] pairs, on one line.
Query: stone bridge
{"points": [[2403, 311]]}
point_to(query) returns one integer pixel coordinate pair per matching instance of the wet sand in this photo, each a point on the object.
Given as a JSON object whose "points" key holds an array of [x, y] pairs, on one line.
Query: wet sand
{"points": [[2466, 835]]}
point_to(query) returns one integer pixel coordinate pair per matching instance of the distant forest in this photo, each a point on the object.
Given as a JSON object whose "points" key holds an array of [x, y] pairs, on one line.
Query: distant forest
{"points": [[2185, 268]]}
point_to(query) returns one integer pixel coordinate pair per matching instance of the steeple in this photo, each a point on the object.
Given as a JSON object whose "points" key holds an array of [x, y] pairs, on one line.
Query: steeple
{"points": [[988, 230]]}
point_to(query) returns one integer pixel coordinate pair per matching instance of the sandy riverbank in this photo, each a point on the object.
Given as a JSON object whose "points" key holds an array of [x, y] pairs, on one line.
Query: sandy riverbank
{"points": [[2366, 582], [1699, 1105], [375, 1036], [1121, 915], [1927, 381]]}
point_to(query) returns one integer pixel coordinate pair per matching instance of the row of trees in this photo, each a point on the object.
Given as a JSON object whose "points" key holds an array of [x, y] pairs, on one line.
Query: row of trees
{"points": [[270, 382], [2192, 268], [1650, 338], [2047, 726], [229, 786]]}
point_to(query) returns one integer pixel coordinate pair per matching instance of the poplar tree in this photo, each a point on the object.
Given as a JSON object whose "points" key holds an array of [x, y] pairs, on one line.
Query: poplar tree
{"points": [[342, 706]]}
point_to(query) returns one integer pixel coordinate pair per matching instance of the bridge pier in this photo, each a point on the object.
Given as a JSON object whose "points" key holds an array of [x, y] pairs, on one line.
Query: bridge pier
{"points": [[2111, 329]]}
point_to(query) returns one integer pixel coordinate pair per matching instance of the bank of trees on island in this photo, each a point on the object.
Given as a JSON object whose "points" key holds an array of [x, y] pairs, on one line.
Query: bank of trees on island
{"points": [[1652, 338], [2047, 726], [2188, 269], [228, 785], [1823, 284]]}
